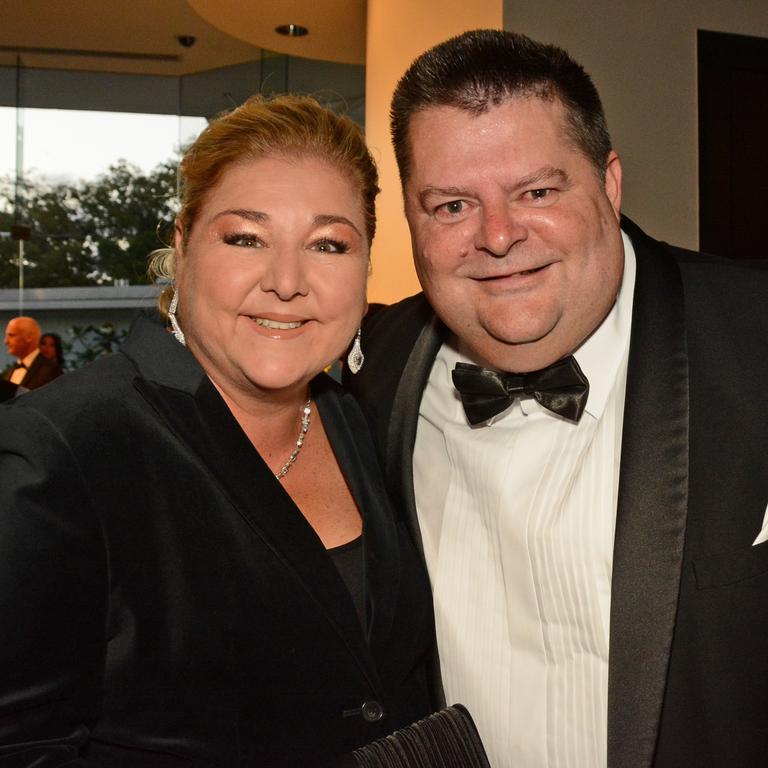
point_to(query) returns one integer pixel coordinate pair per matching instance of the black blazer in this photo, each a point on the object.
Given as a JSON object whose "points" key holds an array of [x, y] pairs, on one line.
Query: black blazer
{"points": [[163, 600], [688, 667], [40, 372]]}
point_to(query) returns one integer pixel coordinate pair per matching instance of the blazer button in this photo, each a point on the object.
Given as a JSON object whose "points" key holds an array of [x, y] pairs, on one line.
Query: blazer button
{"points": [[372, 711]]}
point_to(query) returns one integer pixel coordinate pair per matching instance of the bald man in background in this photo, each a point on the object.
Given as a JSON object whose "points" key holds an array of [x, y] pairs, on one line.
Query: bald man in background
{"points": [[22, 340]]}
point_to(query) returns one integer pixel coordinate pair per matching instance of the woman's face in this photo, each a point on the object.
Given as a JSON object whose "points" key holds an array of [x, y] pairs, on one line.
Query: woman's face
{"points": [[48, 347], [272, 278]]}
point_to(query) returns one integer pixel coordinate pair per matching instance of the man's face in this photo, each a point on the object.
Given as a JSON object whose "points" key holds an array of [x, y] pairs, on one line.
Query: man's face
{"points": [[516, 238], [19, 339]]}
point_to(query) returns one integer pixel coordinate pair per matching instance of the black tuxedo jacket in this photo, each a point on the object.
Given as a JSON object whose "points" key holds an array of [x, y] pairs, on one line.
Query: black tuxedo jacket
{"points": [[688, 667], [40, 372], [164, 603], [7, 390]]}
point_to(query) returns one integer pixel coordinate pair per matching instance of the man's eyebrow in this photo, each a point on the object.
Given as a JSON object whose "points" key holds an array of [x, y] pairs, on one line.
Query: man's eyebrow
{"points": [[442, 192], [541, 176]]}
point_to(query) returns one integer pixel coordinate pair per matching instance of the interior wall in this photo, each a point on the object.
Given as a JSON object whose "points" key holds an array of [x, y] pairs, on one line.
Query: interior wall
{"points": [[398, 31], [642, 57]]}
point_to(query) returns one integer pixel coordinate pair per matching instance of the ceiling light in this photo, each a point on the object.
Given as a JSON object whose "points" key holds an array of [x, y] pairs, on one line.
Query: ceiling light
{"points": [[292, 30]]}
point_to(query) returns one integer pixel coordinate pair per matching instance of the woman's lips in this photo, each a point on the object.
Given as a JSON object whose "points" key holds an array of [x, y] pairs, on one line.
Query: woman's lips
{"points": [[274, 328], [277, 324]]}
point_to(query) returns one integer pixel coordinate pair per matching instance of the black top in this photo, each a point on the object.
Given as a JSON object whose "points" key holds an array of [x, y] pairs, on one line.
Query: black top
{"points": [[349, 561]]}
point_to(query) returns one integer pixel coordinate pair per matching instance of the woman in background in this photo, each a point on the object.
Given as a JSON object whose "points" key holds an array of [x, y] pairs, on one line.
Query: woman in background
{"points": [[51, 347], [198, 559]]}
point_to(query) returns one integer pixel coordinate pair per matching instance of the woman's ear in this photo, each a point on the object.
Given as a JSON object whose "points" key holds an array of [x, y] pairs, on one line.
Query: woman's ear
{"points": [[178, 237], [178, 247]]}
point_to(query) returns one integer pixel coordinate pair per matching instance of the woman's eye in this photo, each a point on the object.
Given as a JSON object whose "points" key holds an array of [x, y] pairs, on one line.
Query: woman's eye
{"points": [[243, 240], [331, 246]]}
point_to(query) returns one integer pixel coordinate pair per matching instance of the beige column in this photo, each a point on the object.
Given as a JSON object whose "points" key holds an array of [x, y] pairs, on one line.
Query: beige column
{"points": [[398, 31]]}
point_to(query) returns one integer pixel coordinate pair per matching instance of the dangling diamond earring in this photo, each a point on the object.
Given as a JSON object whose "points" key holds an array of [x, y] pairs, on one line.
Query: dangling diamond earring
{"points": [[356, 358], [177, 332]]}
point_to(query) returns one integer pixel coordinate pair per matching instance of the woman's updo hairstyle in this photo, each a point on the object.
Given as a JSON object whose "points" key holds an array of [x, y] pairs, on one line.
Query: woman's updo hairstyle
{"points": [[289, 126]]}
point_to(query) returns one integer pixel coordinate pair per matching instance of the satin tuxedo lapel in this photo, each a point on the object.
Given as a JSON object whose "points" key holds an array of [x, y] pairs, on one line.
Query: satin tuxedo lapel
{"points": [[652, 506], [176, 388], [401, 437]]}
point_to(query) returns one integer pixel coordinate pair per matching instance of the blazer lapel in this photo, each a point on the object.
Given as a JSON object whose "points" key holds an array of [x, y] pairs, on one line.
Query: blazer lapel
{"points": [[186, 400], [652, 506], [401, 435], [348, 433]]}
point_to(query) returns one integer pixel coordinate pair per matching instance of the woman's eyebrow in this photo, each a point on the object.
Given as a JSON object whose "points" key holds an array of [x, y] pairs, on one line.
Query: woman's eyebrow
{"points": [[243, 213], [330, 218]]}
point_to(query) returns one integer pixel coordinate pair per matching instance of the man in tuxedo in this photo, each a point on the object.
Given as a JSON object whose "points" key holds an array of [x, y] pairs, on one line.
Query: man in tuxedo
{"points": [[573, 417], [22, 340]]}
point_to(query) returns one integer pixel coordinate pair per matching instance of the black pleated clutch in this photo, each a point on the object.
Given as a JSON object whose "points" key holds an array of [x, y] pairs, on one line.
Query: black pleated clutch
{"points": [[445, 739]]}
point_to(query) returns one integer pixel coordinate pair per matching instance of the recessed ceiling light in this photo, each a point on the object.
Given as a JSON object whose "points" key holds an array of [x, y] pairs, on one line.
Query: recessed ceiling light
{"points": [[292, 30]]}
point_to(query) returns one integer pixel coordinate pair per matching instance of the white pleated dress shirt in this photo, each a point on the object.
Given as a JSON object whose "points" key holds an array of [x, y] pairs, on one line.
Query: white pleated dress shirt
{"points": [[517, 518]]}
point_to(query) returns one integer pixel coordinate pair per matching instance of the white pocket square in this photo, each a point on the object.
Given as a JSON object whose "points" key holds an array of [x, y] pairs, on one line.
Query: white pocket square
{"points": [[763, 535]]}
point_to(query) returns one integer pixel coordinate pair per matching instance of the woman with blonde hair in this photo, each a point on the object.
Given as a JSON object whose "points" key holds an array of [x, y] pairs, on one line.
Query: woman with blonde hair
{"points": [[199, 561]]}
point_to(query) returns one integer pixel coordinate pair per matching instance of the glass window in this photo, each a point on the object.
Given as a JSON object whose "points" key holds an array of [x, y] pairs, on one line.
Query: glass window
{"points": [[68, 145], [7, 142], [99, 158], [96, 187]]}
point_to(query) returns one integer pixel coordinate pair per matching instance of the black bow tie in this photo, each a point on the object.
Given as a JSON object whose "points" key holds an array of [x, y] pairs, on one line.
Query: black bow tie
{"points": [[561, 388]]}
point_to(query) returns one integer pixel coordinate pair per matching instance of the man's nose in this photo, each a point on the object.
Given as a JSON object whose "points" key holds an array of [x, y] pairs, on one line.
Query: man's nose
{"points": [[500, 229]]}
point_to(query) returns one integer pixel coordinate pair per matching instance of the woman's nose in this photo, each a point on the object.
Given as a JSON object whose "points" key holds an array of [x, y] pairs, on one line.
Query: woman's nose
{"points": [[286, 274]]}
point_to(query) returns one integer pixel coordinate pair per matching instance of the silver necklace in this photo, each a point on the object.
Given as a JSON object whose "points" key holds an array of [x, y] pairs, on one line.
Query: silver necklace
{"points": [[306, 413]]}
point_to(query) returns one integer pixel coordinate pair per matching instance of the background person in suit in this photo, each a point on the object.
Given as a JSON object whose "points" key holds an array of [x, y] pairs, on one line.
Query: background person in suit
{"points": [[9, 390], [22, 340], [198, 558], [597, 549]]}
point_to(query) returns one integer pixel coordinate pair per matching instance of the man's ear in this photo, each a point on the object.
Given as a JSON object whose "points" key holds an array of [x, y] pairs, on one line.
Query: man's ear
{"points": [[613, 175]]}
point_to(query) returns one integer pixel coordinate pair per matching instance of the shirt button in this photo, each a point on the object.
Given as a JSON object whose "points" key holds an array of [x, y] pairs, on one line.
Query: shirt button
{"points": [[372, 711]]}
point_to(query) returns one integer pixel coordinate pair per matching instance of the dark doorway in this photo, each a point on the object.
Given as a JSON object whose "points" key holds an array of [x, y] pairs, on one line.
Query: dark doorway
{"points": [[733, 145]]}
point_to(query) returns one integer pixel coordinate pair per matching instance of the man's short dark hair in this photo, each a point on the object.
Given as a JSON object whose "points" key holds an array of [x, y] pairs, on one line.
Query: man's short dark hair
{"points": [[486, 67]]}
